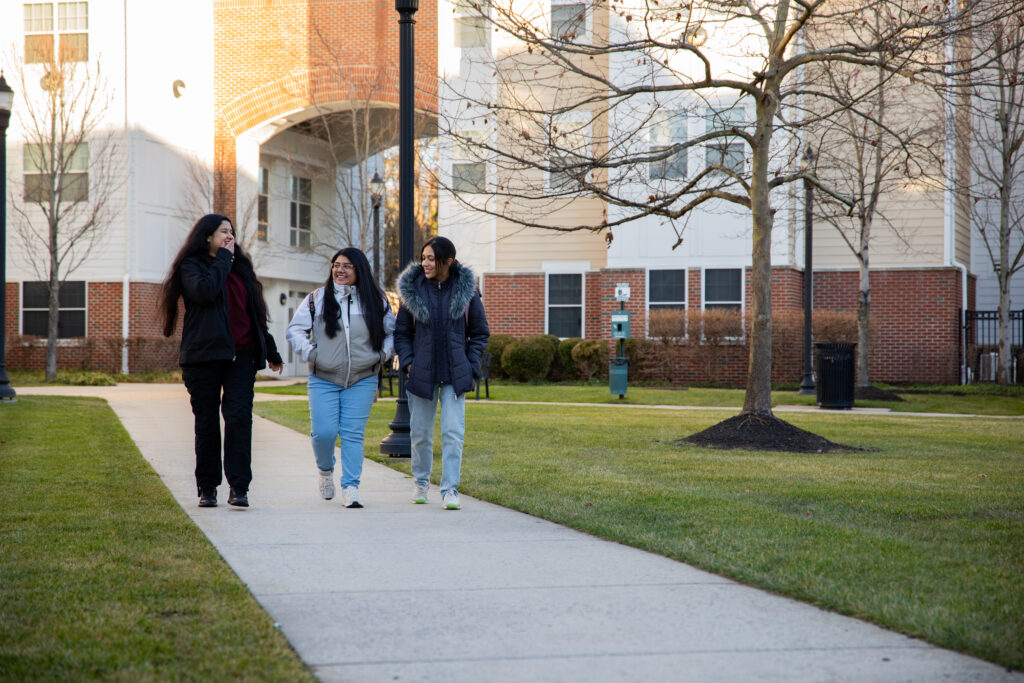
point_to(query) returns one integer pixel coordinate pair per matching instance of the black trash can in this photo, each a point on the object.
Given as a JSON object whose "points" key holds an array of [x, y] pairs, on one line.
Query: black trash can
{"points": [[836, 382]]}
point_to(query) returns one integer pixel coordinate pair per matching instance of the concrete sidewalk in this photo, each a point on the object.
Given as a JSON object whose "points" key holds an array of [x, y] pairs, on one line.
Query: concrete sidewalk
{"points": [[402, 592]]}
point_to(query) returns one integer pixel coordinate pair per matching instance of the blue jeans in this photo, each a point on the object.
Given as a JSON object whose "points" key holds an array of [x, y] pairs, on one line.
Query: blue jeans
{"points": [[334, 410], [453, 431]]}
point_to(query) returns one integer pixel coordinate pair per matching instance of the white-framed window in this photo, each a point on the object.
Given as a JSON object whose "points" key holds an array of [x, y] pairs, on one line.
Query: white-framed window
{"points": [[569, 145], [565, 304], [68, 174], [70, 33], [469, 171], [569, 21], [723, 288], [35, 309], [470, 23], [726, 152], [668, 128], [263, 204], [666, 289], [301, 214]]}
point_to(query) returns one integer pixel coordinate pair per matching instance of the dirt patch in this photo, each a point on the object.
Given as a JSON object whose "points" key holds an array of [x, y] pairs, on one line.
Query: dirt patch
{"points": [[870, 393], [760, 433]]}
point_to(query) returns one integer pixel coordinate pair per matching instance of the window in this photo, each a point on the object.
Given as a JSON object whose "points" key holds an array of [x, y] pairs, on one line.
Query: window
{"points": [[727, 152], [567, 156], [71, 31], [668, 128], [569, 21], [262, 204], [666, 290], [470, 24], [35, 309], [301, 212], [565, 305], [469, 171], [723, 288], [40, 169]]}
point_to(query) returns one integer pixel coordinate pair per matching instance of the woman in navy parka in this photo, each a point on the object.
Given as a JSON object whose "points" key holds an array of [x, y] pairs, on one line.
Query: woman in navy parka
{"points": [[440, 336]]}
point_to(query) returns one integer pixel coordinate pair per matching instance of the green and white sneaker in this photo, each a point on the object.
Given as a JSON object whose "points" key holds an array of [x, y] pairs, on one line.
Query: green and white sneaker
{"points": [[419, 493], [451, 500]]}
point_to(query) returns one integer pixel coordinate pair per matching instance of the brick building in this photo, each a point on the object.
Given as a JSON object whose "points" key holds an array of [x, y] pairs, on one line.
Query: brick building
{"points": [[239, 106]]}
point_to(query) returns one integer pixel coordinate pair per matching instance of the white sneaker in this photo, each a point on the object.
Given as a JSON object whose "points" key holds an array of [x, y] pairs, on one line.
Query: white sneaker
{"points": [[326, 485], [419, 493], [350, 497], [451, 500]]}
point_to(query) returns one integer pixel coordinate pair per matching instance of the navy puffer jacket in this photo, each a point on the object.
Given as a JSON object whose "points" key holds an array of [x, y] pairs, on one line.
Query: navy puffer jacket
{"points": [[462, 330]]}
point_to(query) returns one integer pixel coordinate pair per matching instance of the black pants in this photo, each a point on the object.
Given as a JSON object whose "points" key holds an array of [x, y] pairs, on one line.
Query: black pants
{"points": [[205, 383]]}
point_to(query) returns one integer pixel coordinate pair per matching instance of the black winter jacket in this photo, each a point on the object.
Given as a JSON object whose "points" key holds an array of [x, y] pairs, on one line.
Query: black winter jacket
{"points": [[463, 330], [206, 332]]}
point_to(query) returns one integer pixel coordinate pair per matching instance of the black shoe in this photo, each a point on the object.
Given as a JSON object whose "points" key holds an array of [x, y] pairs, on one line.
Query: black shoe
{"points": [[208, 498], [238, 498]]}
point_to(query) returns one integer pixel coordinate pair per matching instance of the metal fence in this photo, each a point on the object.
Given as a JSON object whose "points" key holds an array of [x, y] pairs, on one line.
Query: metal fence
{"points": [[980, 339]]}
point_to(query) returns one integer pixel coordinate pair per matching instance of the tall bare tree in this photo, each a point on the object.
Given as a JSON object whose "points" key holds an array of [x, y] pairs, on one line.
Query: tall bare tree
{"points": [[574, 96], [871, 151], [71, 174], [996, 190]]}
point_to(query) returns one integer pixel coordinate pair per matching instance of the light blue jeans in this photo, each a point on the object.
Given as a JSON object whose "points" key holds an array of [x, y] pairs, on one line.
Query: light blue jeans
{"points": [[334, 410], [422, 412]]}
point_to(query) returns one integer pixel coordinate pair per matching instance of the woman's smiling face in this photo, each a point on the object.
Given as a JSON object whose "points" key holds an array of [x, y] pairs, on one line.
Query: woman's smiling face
{"points": [[343, 271]]}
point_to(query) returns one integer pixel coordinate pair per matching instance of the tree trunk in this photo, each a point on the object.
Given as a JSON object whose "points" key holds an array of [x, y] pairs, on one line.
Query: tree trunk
{"points": [[51, 328], [863, 320], [758, 399], [1004, 369]]}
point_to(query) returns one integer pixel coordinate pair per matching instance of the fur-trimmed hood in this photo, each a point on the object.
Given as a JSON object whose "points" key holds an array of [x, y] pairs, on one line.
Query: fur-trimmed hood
{"points": [[409, 282]]}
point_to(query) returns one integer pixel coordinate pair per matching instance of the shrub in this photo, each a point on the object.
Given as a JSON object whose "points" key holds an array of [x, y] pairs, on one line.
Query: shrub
{"points": [[710, 330], [565, 347], [834, 326], [85, 378], [591, 357], [555, 373], [667, 325], [528, 359], [645, 359], [496, 347]]}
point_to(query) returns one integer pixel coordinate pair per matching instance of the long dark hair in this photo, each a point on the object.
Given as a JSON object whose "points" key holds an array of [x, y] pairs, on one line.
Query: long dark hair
{"points": [[197, 244], [371, 298], [442, 247]]}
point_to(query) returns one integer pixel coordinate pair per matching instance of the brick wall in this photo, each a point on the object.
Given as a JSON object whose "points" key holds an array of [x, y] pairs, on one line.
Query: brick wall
{"points": [[101, 348], [514, 303], [913, 337], [914, 320]]}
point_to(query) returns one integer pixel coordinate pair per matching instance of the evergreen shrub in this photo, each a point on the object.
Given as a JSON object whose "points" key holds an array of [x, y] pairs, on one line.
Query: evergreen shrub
{"points": [[528, 359]]}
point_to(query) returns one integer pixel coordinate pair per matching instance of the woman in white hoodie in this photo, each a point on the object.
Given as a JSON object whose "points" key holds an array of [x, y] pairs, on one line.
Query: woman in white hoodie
{"points": [[352, 338]]}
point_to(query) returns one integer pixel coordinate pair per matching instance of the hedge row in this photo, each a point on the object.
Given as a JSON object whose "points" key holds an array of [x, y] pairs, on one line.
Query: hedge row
{"points": [[704, 334]]}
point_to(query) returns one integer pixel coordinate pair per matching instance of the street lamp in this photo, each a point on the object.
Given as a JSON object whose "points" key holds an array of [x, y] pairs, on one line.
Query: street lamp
{"points": [[6, 100], [806, 164], [397, 443], [376, 197]]}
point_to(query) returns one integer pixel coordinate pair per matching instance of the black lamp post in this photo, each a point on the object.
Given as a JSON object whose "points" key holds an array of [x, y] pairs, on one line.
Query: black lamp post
{"points": [[806, 163], [397, 443], [6, 100], [376, 197]]}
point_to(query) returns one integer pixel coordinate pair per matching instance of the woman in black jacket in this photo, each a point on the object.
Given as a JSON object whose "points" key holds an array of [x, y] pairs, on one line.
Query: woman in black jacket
{"points": [[224, 342], [440, 336]]}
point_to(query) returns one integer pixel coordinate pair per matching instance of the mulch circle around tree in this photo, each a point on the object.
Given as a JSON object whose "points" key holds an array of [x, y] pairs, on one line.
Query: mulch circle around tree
{"points": [[763, 433], [870, 393]]}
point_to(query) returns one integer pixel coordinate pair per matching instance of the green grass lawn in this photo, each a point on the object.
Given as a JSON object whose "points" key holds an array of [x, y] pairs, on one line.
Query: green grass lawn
{"points": [[102, 575], [971, 400], [922, 532]]}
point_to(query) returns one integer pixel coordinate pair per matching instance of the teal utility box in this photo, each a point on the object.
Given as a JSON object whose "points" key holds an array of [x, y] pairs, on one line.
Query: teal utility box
{"points": [[620, 325], [618, 376]]}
